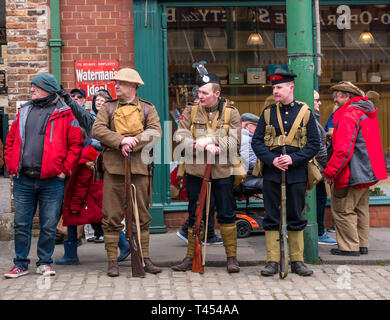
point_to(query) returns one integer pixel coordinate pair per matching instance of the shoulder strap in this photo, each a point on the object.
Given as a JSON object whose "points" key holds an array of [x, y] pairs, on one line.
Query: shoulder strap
{"points": [[111, 110], [296, 123], [146, 107], [227, 116], [267, 114], [194, 109], [281, 127]]}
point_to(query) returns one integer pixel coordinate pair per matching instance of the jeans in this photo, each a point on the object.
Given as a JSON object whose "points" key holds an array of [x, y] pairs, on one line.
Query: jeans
{"points": [[321, 198], [28, 193]]}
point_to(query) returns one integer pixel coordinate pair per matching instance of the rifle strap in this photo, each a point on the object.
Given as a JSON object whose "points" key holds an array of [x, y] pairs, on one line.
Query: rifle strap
{"points": [[136, 216]]}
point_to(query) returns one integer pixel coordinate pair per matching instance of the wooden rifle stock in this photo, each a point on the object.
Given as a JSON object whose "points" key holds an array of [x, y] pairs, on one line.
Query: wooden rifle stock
{"points": [[136, 265], [283, 264], [197, 260]]}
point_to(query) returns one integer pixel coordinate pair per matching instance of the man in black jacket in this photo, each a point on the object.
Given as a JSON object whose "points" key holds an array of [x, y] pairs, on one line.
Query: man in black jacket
{"points": [[268, 147]]}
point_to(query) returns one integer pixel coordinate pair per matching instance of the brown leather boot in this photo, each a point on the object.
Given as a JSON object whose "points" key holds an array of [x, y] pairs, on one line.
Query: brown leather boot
{"points": [[113, 269], [150, 267], [185, 265], [232, 265]]}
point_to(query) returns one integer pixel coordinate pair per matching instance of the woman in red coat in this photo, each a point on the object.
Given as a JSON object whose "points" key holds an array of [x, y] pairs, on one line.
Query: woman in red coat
{"points": [[82, 202]]}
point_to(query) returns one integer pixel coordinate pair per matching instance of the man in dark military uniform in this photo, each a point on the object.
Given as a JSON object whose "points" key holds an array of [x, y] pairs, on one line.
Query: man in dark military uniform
{"points": [[204, 128], [267, 146]]}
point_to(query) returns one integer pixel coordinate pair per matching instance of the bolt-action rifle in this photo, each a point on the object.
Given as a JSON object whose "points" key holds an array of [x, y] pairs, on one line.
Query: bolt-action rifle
{"points": [[197, 260], [283, 267], [137, 269]]}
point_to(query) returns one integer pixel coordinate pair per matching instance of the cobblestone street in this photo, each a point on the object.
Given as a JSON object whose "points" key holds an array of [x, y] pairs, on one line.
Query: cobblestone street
{"points": [[329, 282]]}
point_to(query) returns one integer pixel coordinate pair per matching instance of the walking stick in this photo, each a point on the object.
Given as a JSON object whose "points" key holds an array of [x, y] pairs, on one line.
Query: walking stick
{"points": [[207, 221], [283, 267], [136, 266], [197, 260]]}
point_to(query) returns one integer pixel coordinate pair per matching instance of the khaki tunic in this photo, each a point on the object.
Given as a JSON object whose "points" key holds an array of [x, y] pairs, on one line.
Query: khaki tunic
{"points": [[223, 166], [113, 163]]}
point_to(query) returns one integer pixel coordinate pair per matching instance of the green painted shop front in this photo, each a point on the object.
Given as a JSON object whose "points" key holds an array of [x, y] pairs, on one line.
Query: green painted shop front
{"points": [[151, 60]]}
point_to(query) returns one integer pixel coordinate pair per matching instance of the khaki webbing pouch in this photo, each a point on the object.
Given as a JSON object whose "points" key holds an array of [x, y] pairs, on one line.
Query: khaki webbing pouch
{"points": [[129, 120]]}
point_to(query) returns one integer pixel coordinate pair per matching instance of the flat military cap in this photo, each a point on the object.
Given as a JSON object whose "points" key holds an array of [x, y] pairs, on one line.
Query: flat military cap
{"points": [[373, 96], [347, 86], [207, 78], [249, 117], [280, 77]]}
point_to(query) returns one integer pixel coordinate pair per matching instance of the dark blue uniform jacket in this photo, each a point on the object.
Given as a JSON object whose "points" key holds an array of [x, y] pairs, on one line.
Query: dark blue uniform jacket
{"points": [[297, 172]]}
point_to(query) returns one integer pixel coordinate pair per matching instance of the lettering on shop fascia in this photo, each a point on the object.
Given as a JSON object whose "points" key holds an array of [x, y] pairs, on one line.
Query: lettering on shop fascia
{"points": [[343, 18]]}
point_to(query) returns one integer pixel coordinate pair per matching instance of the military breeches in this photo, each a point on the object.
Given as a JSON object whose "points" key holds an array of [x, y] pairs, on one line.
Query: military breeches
{"points": [[222, 190], [295, 193], [114, 200]]}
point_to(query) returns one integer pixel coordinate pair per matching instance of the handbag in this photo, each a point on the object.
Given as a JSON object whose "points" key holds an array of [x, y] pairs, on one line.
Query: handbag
{"points": [[258, 168], [313, 173], [239, 172]]}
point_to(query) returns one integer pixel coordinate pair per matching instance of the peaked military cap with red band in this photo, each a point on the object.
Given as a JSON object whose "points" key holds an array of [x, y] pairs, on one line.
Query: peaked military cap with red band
{"points": [[280, 77]]}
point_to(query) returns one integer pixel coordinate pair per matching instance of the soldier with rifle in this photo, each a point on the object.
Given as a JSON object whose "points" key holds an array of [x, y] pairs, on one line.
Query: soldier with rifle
{"points": [[124, 127], [211, 126], [269, 139]]}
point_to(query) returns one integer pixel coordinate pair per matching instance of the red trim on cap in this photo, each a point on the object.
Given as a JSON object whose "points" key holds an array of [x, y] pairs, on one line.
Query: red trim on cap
{"points": [[275, 77]]}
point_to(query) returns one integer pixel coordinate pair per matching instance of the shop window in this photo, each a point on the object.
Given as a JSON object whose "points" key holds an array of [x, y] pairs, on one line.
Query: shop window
{"points": [[355, 42], [239, 44]]}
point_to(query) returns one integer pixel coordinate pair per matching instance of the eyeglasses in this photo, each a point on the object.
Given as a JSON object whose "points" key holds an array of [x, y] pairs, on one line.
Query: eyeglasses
{"points": [[317, 100], [79, 96]]}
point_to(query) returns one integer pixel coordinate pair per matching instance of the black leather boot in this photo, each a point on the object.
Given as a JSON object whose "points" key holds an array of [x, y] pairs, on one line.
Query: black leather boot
{"points": [[270, 269], [300, 268], [185, 265]]}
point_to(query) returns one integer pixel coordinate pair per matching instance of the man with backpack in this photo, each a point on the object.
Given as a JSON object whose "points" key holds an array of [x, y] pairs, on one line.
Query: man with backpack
{"points": [[211, 127], [271, 136], [123, 126]]}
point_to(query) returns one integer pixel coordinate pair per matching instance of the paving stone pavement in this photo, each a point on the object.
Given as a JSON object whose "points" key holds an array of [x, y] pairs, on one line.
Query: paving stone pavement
{"points": [[329, 282]]}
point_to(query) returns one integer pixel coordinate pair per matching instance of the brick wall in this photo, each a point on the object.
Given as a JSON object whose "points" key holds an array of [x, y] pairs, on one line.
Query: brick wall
{"points": [[90, 30], [27, 51], [93, 30]]}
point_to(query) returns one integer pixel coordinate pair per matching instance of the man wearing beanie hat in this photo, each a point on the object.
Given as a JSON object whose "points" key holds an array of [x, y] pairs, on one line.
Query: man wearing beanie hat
{"points": [[356, 163], [42, 148], [269, 140], [205, 128]]}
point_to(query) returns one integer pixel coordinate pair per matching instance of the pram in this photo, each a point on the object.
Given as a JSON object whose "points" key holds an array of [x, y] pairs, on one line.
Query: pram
{"points": [[248, 221]]}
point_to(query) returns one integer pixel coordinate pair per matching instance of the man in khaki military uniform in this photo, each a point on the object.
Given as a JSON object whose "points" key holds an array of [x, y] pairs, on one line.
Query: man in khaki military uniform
{"points": [[203, 130], [117, 146]]}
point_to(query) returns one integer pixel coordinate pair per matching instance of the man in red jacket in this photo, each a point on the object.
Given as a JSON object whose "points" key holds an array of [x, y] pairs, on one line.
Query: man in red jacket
{"points": [[42, 148], [356, 163]]}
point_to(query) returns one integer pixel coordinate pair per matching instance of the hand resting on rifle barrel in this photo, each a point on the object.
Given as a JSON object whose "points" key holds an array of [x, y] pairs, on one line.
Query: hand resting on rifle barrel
{"points": [[128, 144], [282, 162]]}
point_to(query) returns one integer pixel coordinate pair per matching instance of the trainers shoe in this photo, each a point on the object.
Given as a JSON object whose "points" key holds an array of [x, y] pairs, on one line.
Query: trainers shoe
{"points": [[331, 230], [46, 270], [214, 240], [182, 235], [99, 239], [15, 272], [91, 239], [327, 240]]}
